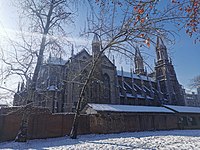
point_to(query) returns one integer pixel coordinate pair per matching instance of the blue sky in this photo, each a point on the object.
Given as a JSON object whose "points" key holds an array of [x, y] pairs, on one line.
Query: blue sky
{"points": [[186, 58], [185, 54]]}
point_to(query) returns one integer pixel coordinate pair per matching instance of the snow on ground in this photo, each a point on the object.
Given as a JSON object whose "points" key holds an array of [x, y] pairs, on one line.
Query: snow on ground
{"points": [[177, 139]]}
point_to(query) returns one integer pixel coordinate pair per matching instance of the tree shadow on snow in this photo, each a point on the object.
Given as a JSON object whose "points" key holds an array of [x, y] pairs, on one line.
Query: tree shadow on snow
{"points": [[43, 144]]}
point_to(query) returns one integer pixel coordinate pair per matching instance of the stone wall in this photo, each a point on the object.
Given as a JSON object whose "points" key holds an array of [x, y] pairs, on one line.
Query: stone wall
{"points": [[9, 125], [46, 125], [41, 125], [114, 123]]}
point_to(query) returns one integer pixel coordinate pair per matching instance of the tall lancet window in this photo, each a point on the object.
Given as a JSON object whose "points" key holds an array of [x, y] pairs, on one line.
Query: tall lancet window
{"points": [[106, 88]]}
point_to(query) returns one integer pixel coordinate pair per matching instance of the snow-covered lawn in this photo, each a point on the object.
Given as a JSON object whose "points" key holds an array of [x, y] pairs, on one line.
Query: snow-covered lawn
{"points": [[177, 139]]}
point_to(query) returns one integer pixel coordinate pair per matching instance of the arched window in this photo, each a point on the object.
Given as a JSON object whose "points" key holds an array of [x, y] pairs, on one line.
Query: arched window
{"points": [[106, 88]]}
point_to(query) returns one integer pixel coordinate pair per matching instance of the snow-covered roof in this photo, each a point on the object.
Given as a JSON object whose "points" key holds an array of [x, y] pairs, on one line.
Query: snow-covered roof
{"points": [[183, 109], [135, 76], [128, 108]]}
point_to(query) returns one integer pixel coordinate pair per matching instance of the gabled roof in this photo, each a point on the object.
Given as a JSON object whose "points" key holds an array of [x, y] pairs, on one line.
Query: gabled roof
{"points": [[108, 60], [78, 55], [83, 51], [127, 108]]}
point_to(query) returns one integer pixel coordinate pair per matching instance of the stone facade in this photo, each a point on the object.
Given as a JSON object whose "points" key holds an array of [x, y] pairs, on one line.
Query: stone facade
{"points": [[60, 83]]}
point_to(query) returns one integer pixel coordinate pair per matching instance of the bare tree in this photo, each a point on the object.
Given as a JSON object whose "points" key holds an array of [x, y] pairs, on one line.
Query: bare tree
{"points": [[43, 27], [47, 18], [195, 82], [122, 25]]}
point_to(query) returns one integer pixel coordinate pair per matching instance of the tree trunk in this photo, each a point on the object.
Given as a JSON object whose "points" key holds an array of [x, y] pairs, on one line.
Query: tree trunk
{"points": [[22, 135], [73, 133]]}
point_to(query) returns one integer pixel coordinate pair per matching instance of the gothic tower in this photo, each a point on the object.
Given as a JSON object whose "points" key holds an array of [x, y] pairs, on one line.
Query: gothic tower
{"points": [[166, 76], [96, 45], [139, 64]]}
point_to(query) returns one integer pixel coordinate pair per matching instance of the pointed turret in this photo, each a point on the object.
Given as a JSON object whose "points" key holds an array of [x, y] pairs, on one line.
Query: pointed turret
{"points": [[139, 64], [113, 60], [122, 73], [95, 39], [161, 50], [170, 60], [146, 73], [132, 84], [96, 44], [72, 51], [160, 42], [60, 58], [123, 86], [22, 86], [18, 87]]}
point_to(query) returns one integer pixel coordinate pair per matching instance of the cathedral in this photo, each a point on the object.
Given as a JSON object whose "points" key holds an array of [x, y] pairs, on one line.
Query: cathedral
{"points": [[60, 82]]}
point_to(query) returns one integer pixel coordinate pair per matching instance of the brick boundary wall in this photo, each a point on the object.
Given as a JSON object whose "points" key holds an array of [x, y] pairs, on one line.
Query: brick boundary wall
{"points": [[115, 123], [57, 125]]}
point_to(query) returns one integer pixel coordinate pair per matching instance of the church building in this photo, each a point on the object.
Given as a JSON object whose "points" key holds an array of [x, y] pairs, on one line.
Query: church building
{"points": [[60, 82]]}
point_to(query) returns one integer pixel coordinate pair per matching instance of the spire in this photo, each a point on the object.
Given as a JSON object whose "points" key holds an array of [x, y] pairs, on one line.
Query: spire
{"points": [[60, 58], [151, 86], [132, 84], [143, 90], [170, 60], [95, 39], [146, 71], [113, 60], [160, 42], [72, 51], [122, 72], [18, 87], [139, 64], [132, 79], [161, 50], [123, 86], [50, 56], [96, 45], [22, 86]]}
